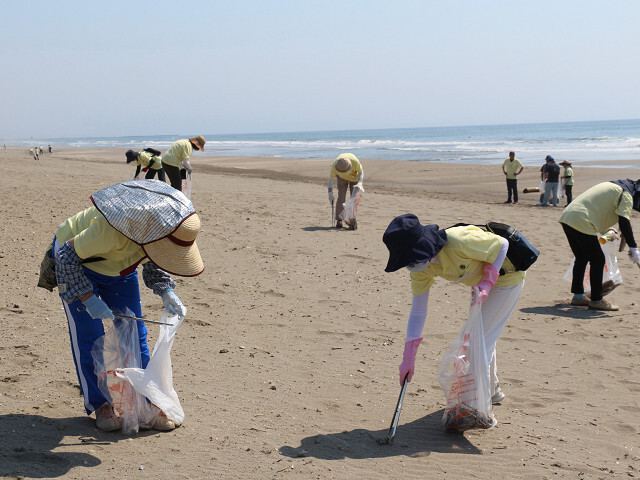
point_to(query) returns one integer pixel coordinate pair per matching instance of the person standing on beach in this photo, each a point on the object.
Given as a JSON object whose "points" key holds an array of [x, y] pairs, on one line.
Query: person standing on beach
{"points": [[512, 167], [150, 159], [567, 180], [593, 212], [460, 254], [5, 148], [49, 148], [551, 177], [348, 172], [176, 159], [96, 253]]}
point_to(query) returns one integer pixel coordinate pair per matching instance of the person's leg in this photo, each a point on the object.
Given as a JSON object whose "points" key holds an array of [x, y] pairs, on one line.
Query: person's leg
{"points": [[342, 196], [547, 194], [514, 186], [509, 190], [554, 190], [151, 173], [161, 176], [568, 189], [174, 176]]}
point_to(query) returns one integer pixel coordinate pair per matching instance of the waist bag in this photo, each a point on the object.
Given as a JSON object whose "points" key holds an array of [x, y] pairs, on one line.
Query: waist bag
{"points": [[521, 253]]}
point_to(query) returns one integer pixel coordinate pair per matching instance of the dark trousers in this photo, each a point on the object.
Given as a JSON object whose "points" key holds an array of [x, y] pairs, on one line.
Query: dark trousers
{"points": [[174, 176], [512, 186], [151, 173], [568, 190], [586, 249]]}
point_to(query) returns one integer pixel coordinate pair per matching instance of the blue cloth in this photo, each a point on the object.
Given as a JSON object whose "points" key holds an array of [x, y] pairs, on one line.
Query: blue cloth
{"points": [[120, 294]]}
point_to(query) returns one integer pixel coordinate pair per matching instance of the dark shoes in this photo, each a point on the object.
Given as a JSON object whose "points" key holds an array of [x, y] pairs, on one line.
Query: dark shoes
{"points": [[508, 201], [339, 224]]}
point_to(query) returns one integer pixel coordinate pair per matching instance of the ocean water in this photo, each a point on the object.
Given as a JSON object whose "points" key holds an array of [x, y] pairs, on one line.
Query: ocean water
{"points": [[603, 141]]}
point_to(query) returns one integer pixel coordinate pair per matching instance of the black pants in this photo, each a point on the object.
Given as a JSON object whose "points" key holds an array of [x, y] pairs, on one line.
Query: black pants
{"points": [[568, 190], [151, 173], [512, 186], [586, 249], [174, 176]]}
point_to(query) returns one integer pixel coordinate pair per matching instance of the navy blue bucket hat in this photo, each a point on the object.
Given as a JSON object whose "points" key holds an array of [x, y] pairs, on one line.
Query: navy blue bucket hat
{"points": [[131, 156], [410, 242]]}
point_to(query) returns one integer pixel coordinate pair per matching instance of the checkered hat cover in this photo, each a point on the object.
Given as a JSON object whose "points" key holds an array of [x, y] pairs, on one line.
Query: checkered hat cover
{"points": [[143, 210]]}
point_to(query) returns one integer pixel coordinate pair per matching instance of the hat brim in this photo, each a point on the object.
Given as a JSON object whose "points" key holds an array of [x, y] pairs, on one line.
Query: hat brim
{"points": [[174, 259], [421, 251]]}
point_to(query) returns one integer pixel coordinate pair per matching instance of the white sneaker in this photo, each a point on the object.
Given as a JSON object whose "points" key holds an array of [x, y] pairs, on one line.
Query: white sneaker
{"points": [[498, 396], [106, 419]]}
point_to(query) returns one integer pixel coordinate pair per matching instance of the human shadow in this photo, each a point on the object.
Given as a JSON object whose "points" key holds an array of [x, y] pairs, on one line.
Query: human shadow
{"points": [[416, 439], [316, 229], [27, 444], [567, 310]]}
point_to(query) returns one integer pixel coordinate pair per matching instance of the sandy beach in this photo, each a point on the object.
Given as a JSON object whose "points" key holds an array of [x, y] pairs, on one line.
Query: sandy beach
{"points": [[286, 364]]}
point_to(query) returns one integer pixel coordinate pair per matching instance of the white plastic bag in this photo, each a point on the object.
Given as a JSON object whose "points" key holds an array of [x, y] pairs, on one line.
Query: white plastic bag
{"points": [[611, 277], [135, 392], [350, 211], [464, 378], [186, 185]]}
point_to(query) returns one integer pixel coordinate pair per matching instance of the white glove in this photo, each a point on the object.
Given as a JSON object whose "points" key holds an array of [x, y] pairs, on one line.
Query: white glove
{"points": [[172, 303], [634, 255]]}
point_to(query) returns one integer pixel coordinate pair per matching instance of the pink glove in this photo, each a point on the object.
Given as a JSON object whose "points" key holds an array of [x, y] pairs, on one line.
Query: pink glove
{"points": [[409, 359], [491, 275]]}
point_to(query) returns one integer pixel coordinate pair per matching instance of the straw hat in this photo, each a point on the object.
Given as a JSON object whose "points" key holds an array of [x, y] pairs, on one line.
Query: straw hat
{"points": [[410, 242], [178, 253], [343, 164], [565, 163], [199, 141]]}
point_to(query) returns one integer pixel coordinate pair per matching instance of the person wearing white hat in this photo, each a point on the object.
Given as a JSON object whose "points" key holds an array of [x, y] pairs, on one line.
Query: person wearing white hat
{"points": [[96, 254], [348, 172], [176, 159]]}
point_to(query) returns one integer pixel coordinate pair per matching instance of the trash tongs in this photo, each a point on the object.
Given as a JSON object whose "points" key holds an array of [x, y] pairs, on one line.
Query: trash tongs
{"points": [[396, 416], [119, 315]]}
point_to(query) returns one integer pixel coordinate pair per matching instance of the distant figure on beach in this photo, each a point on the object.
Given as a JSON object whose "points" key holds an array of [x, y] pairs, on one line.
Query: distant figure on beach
{"points": [[176, 159], [41, 149], [5, 148], [96, 253], [512, 167], [551, 180], [148, 160], [49, 148], [35, 154], [348, 172], [567, 180], [466, 255], [593, 212]]}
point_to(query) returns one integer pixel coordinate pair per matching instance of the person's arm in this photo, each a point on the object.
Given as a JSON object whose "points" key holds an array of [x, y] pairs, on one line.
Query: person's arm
{"points": [[519, 171], [138, 167], [415, 325], [72, 282], [161, 283], [504, 170], [187, 165], [491, 274]]}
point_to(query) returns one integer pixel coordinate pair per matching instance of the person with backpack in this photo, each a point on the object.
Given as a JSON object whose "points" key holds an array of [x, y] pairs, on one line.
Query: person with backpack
{"points": [[463, 254], [150, 160]]}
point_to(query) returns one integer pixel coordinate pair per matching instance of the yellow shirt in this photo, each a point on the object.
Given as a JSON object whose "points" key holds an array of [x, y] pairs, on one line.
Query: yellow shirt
{"points": [[94, 237], [512, 167], [597, 209], [462, 260], [351, 175], [179, 151], [144, 158]]}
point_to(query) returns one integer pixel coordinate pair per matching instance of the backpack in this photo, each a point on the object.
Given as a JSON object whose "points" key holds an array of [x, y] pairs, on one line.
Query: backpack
{"points": [[152, 151], [521, 253]]}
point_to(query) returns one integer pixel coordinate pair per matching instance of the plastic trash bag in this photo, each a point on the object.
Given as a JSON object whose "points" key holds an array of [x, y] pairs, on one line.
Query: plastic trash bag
{"points": [[350, 212], [464, 378], [137, 395], [187, 181], [611, 277]]}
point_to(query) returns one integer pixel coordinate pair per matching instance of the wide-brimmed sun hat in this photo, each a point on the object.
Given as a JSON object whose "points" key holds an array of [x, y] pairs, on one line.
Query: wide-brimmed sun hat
{"points": [[565, 163], [199, 141], [410, 242], [178, 252]]}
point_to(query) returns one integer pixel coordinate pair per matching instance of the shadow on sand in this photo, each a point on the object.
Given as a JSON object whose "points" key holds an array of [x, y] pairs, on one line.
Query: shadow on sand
{"points": [[417, 439]]}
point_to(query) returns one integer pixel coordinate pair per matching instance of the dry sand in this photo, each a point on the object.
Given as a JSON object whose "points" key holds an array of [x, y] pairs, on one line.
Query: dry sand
{"points": [[286, 364]]}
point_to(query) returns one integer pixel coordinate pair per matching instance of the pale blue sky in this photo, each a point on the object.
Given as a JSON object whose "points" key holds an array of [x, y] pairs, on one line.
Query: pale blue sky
{"points": [[115, 68]]}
